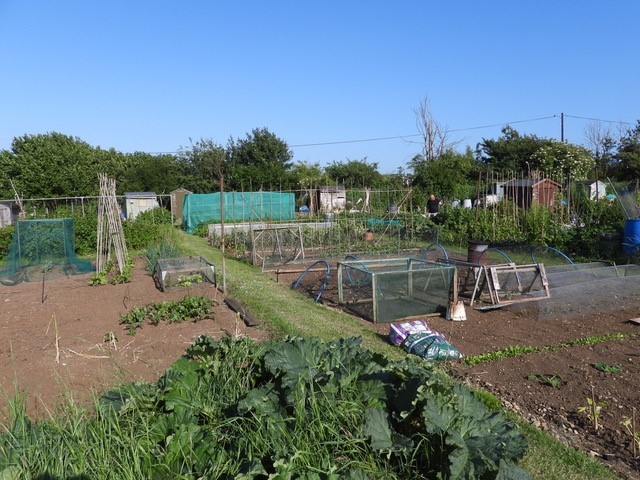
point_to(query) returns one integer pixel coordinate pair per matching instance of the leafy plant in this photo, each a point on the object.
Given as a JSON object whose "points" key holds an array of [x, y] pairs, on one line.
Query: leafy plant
{"points": [[593, 410], [109, 337], [519, 350], [554, 381], [187, 280], [629, 424], [194, 307], [134, 319], [109, 274], [99, 278], [606, 368], [201, 230], [125, 275]]}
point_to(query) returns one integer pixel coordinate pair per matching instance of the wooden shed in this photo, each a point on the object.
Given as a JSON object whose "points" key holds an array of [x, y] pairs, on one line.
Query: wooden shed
{"points": [[527, 191]]}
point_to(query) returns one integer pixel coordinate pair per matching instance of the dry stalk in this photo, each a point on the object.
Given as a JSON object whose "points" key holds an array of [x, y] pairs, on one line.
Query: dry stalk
{"points": [[635, 431], [85, 355], [55, 323], [127, 345]]}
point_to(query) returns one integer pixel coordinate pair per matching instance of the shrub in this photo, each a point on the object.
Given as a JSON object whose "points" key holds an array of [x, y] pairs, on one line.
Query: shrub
{"points": [[6, 233], [148, 228], [202, 230]]}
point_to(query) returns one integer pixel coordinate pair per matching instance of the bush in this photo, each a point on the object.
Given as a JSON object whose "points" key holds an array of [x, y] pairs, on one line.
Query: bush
{"points": [[148, 228], [86, 228], [6, 233], [202, 230]]}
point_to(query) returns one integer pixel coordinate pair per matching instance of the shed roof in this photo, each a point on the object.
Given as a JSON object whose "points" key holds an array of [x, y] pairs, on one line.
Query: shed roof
{"points": [[139, 194]]}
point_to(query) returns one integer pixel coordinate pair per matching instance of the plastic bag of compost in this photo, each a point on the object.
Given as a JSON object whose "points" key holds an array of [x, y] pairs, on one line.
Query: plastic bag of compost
{"points": [[431, 346]]}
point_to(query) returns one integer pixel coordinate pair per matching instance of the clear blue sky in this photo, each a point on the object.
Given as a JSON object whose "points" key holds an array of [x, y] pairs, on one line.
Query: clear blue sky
{"points": [[149, 75]]}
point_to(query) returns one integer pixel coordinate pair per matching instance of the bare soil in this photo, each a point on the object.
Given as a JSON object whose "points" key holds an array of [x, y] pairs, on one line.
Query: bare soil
{"points": [[57, 341]]}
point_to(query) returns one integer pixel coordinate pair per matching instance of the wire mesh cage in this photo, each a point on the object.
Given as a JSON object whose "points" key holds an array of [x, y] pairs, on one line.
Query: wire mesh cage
{"points": [[42, 247], [586, 290], [386, 290], [182, 272]]}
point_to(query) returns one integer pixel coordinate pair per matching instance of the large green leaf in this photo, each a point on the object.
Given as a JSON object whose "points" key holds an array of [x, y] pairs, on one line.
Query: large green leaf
{"points": [[382, 437]]}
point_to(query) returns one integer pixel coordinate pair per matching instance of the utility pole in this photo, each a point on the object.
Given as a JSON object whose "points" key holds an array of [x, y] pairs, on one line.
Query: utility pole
{"points": [[562, 127]]}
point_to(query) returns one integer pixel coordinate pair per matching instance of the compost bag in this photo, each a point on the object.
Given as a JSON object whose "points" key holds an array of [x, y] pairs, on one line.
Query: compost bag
{"points": [[431, 346]]}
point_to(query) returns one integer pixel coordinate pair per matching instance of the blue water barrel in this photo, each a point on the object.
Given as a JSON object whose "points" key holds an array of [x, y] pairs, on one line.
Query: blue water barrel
{"points": [[631, 238]]}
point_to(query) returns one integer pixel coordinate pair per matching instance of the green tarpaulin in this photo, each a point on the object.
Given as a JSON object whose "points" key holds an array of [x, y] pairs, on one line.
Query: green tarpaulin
{"points": [[238, 207]]}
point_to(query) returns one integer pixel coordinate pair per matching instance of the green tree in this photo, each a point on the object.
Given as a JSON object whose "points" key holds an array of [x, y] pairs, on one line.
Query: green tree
{"points": [[355, 173], [563, 159], [510, 152], [307, 175], [259, 161], [57, 165], [151, 173], [8, 172], [450, 175], [201, 166], [626, 162]]}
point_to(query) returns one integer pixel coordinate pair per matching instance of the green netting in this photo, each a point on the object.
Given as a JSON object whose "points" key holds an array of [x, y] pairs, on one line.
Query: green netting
{"points": [[238, 207], [387, 290], [42, 247]]}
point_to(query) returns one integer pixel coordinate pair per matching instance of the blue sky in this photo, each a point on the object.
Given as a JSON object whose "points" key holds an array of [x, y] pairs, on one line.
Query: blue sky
{"points": [[149, 76]]}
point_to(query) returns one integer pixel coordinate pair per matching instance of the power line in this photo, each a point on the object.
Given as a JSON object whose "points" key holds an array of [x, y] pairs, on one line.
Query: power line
{"points": [[338, 142], [504, 123], [598, 119], [403, 137], [354, 141]]}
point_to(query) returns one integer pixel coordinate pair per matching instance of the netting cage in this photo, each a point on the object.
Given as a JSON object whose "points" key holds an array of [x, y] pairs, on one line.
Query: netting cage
{"points": [[183, 272], [585, 290], [42, 247], [387, 290]]}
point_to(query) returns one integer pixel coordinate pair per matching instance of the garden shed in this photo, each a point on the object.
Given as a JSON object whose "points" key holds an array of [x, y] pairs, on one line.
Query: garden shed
{"points": [[528, 191], [138, 202], [6, 214], [595, 189], [332, 198]]}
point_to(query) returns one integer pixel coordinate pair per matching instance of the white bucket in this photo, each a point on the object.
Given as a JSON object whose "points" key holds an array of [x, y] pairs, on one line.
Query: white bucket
{"points": [[466, 203]]}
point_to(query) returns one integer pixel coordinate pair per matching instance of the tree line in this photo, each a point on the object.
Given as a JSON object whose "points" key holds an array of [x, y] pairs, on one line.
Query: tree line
{"points": [[57, 165]]}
